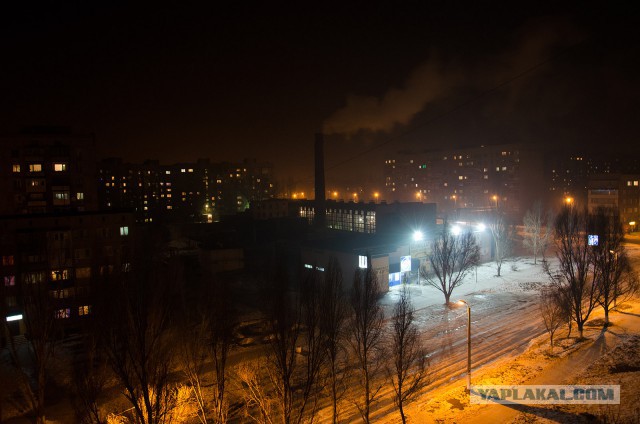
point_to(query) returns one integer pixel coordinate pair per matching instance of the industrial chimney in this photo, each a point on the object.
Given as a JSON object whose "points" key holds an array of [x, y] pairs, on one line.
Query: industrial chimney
{"points": [[320, 206]]}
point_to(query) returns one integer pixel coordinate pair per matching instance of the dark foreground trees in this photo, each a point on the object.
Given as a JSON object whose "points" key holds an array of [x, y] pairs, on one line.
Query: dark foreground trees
{"points": [[552, 311], [135, 316], [574, 279], [408, 368], [538, 229], [367, 332], [502, 234], [614, 276], [451, 258], [335, 312]]}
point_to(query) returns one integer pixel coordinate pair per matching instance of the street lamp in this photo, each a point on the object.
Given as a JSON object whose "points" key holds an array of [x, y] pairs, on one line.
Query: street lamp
{"points": [[468, 342], [376, 195], [495, 199], [568, 200]]}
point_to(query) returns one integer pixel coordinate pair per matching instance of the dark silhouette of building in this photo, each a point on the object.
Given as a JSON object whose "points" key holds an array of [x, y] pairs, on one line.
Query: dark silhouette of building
{"points": [[183, 192], [47, 170]]}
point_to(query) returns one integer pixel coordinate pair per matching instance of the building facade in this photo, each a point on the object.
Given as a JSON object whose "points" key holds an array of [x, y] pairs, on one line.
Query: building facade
{"points": [[186, 192], [46, 172]]}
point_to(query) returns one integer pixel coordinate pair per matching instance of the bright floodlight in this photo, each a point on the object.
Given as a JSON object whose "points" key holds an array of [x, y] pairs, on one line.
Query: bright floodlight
{"points": [[455, 230], [417, 235], [481, 227]]}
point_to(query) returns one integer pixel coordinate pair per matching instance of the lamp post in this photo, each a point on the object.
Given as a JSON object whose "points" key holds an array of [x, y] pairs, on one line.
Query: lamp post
{"points": [[468, 343], [495, 199]]}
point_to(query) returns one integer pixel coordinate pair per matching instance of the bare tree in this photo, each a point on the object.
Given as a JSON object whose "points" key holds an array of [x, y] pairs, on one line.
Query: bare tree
{"points": [[259, 403], [332, 327], [538, 229], [408, 371], [207, 340], [614, 276], [367, 332], [574, 277], [502, 234], [552, 312], [89, 377], [136, 338], [313, 343], [451, 257], [284, 317]]}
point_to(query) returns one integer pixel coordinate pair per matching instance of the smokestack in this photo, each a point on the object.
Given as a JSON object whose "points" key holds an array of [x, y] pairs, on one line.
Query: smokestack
{"points": [[320, 205]]}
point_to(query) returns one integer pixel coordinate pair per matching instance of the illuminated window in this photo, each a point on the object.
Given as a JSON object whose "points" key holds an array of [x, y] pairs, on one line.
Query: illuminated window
{"points": [[190, 169], [16, 167], [84, 310], [362, 261], [59, 274], [126, 267], [80, 196], [63, 313], [60, 167], [7, 260], [183, 170], [169, 207], [167, 172], [35, 167], [635, 183], [9, 280]]}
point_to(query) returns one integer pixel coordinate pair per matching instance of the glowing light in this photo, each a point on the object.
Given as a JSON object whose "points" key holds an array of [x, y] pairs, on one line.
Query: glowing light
{"points": [[632, 222], [335, 194], [456, 230], [14, 318], [568, 200], [481, 227], [417, 235]]}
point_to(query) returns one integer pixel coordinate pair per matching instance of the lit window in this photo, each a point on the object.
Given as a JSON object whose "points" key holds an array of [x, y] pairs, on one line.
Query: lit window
{"points": [[169, 207], [362, 261], [59, 167], [190, 169], [35, 167], [635, 183], [59, 274], [183, 170], [16, 167], [7, 260], [80, 196], [10, 280], [84, 310], [63, 313], [126, 267], [167, 172]]}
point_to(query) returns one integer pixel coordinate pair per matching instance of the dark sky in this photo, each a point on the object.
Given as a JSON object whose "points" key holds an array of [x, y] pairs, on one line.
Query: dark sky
{"points": [[257, 80]]}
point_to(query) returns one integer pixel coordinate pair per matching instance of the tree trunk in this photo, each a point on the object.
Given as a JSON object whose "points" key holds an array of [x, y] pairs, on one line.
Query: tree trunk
{"points": [[606, 315], [404, 419]]}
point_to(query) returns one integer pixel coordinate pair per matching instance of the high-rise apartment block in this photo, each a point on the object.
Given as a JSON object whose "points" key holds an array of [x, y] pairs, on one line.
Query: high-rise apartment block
{"points": [[47, 171], [485, 177], [193, 192]]}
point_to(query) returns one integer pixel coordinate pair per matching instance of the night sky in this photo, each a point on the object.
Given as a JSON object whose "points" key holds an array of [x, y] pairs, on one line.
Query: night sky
{"points": [[258, 80]]}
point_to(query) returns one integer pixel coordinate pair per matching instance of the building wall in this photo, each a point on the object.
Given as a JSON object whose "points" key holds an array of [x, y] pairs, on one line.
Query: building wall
{"points": [[63, 254], [481, 177], [45, 173], [185, 192]]}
